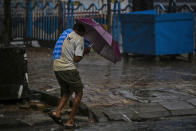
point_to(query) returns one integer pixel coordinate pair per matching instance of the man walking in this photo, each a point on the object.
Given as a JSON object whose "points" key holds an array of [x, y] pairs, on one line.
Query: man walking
{"points": [[71, 52]]}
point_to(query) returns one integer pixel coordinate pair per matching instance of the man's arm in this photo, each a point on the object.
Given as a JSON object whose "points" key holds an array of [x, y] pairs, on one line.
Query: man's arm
{"points": [[87, 50], [77, 59]]}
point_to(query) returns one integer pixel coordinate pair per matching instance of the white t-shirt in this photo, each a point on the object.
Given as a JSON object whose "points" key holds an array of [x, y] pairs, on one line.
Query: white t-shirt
{"points": [[73, 45]]}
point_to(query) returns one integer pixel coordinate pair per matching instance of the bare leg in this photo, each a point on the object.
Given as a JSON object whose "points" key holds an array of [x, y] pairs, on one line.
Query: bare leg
{"points": [[63, 100], [74, 108]]}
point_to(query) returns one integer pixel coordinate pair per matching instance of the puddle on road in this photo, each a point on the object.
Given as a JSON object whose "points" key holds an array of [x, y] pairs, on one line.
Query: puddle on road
{"points": [[154, 95]]}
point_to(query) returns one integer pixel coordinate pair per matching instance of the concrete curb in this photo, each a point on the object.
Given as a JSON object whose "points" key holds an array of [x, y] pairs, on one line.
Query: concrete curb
{"points": [[53, 100], [138, 112]]}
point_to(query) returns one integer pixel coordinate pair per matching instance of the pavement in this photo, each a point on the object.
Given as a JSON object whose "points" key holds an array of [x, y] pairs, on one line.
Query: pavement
{"points": [[138, 93]]}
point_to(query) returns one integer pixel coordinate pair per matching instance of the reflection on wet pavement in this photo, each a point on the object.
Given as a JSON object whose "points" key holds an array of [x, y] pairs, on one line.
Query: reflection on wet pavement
{"points": [[139, 79]]}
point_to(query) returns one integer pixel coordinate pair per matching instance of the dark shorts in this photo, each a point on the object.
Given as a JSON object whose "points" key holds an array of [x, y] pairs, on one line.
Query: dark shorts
{"points": [[69, 82]]}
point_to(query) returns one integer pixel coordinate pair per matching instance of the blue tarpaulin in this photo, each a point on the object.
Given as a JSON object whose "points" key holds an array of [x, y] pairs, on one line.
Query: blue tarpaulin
{"points": [[58, 46]]}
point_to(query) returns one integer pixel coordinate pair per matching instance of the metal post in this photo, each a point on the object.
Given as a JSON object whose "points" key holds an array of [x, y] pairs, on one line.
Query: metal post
{"points": [[60, 24], [116, 23], [25, 23], [109, 20], [70, 17], [68, 13], [72, 13], [29, 20]]}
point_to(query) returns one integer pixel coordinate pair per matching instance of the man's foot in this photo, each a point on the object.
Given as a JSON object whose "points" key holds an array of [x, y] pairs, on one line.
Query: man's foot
{"points": [[58, 120], [71, 125]]}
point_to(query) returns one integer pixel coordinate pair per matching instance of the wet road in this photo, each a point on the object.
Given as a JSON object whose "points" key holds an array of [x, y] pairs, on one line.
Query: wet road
{"points": [[107, 83], [141, 79]]}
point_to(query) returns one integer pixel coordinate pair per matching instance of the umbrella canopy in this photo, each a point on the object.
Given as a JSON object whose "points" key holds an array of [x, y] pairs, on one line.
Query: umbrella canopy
{"points": [[102, 41]]}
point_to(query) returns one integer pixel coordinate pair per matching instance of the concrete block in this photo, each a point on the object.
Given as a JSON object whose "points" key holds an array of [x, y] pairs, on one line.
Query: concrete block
{"points": [[114, 116], [98, 114], [192, 101], [148, 111], [176, 105], [179, 107]]}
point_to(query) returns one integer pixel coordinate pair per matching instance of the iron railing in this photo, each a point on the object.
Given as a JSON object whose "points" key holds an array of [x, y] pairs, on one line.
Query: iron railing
{"points": [[46, 22]]}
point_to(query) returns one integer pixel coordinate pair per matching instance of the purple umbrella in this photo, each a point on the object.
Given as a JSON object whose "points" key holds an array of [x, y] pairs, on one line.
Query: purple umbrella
{"points": [[101, 40]]}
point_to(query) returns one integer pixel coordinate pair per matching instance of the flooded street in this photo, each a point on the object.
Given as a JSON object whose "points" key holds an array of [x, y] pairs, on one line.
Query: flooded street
{"points": [[140, 79], [139, 94]]}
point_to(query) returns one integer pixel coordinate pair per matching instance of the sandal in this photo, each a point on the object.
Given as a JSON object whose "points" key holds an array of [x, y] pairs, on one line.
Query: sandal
{"points": [[74, 126], [58, 120]]}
